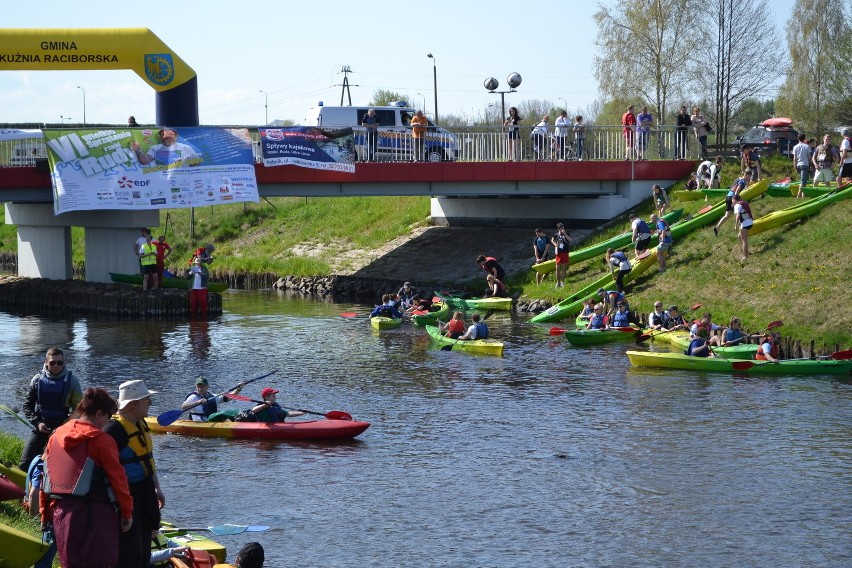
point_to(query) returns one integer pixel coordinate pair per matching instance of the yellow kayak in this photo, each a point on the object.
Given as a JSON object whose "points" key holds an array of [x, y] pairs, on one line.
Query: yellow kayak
{"points": [[19, 549]]}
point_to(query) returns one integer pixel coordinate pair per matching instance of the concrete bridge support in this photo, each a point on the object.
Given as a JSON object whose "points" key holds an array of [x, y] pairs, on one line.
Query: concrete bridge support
{"points": [[44, 240]]}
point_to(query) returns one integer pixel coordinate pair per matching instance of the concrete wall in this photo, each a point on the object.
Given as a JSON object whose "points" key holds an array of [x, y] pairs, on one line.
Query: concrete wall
{"points": [[44, 240]]}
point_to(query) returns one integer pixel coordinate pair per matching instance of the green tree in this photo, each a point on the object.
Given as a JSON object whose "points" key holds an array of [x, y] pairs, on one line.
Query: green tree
{"points": [[815, 31], [383, 97], [646, 49], [839, 84], [750, 113]]}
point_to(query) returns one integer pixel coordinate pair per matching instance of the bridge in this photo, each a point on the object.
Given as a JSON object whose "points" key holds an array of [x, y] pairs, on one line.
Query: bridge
{"points": [[582, 194]]}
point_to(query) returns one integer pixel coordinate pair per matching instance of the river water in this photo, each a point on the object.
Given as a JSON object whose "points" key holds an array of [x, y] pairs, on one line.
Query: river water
{"points": [[550, 456]]}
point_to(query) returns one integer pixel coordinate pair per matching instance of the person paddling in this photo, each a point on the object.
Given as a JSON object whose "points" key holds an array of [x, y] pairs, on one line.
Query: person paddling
{"points": [[455, 327], [203, 401], [699, 347], [269, 411], [477, 329], [768, 350]]}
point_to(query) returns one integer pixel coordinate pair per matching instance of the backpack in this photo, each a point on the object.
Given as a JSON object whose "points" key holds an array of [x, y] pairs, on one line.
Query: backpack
{"points": [[245, 416]]}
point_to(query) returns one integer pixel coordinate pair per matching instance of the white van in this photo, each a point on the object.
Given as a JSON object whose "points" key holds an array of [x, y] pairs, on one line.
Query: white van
{"points": [[394, 140]]}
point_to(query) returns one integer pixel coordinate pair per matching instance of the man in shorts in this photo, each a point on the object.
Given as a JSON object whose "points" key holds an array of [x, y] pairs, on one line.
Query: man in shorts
{"points": [[561, 242], [845, 157], [823, 159], [641, 234]]}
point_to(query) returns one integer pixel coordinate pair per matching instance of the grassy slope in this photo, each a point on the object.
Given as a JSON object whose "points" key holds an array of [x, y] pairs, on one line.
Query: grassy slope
{"points": [[11, 512], [792, 275]]}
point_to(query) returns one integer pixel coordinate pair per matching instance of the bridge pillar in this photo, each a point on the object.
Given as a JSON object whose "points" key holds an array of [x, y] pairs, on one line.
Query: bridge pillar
{"points": [[44, 240]]}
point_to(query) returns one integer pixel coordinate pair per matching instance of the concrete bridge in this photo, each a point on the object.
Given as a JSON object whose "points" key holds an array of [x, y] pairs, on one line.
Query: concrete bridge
{"points": [[583, 194]]}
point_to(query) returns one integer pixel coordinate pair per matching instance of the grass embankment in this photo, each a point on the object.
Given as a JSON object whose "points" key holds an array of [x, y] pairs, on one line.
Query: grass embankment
{"points": [[11, 512], [798, 273]]}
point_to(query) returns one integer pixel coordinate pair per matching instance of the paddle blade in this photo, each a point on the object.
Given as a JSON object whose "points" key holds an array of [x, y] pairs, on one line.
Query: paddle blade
{"points": [[168, 417], [487, 315], [223, 530], [742, 365], [693, 308], [842, 355], [258, 528], [235, 396], [349, 314], [643, 338], [557, 330], [703, 210], [338, 415], [776, 323], [447, 347]]}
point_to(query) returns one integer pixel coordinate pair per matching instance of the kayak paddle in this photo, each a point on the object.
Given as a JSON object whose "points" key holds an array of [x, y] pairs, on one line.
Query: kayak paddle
{"points": [[14, 414], [331, 414], [742, 365], [646, 336], [771, 325], [170, 416], [349, 315], [219, 530], [841, 355]]}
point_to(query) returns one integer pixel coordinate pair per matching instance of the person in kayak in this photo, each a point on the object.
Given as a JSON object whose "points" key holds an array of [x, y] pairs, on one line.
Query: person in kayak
{"points": [[406, 295], [699, 346], [51, 396], [621, 318], [477, 329], [490, 265], [597, 320], [617, 259], [734, 334], [386, 309], [203, 401], [455, 327], [676, 320], [768, 350], [82, 468], [496, 289], [658, 319], [561, 242], [610, 299], [269, 411], [736, 188], [588, 309], [706, 322]]}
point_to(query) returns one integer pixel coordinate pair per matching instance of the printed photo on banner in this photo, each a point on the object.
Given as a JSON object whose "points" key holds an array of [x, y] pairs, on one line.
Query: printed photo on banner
{"points": [[150, 168], [309, 147]]}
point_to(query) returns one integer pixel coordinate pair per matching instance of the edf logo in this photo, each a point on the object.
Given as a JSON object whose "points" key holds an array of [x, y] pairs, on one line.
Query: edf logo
{"points": [[125, 183]]}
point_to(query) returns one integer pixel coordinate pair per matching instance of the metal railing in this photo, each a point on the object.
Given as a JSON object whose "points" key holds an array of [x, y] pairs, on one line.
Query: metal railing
{"points": [[471, 144]]}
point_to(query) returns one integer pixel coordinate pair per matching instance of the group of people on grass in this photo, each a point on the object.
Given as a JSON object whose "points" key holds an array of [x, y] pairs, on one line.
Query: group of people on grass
{"points": [[91, 472]]}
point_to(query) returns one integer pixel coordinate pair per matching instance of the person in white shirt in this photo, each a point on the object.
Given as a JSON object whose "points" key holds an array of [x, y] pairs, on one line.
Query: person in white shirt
{"points": [[802, 160], [845, 157], [562, 124], [538, 136]]}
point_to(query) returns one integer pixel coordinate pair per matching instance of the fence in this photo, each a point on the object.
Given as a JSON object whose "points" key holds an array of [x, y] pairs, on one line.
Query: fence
{"points": [[474, 144]]}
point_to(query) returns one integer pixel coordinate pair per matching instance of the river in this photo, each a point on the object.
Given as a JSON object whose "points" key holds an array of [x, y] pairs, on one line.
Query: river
{"points": [[550, 456]]}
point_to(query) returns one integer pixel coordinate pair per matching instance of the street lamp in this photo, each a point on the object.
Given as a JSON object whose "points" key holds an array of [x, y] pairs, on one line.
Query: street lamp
{"points": [[424, 101], [514, 81], [434, 85], [62, 119], [265, 105], [84, 104], [564, 103]]}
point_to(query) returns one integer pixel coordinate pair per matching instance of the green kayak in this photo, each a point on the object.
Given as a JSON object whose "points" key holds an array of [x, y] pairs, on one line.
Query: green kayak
{"points": [[583, 337], [725, 365], [429, 318], [472, 346], [179, 283], [747, 351], [476, 303]]}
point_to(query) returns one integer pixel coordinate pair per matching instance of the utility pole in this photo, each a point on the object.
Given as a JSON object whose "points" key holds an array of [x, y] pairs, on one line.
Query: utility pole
{"points": [[345, 90]]}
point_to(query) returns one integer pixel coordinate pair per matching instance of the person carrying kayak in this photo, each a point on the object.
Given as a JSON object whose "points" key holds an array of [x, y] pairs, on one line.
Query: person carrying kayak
{"points": [[269, 411], [664, 233], [477, 330], [768, 350], [736, 188], [617, 259], [641, 234], [611, 298], [496, 289], [455, 327], [203, 402], [699, 347]]}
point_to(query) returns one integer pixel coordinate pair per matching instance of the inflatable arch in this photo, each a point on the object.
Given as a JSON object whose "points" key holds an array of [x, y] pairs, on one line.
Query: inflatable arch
{"points": [[137, 49]]}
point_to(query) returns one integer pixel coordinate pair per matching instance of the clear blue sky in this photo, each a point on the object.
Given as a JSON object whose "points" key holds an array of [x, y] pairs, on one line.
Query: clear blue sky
{"points": [[294, 51]]}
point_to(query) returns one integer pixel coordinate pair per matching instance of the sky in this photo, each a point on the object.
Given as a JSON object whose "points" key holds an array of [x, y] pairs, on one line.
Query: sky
{"points": [[294, 51]]}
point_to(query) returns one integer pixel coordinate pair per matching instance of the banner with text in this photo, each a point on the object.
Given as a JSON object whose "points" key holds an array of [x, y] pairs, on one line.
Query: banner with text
{"points": [[309, 147], [145, 168]]}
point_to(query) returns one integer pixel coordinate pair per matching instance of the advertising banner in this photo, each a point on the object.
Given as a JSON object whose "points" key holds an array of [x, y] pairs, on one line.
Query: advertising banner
{"points": [[150, 168], [309, 147]]}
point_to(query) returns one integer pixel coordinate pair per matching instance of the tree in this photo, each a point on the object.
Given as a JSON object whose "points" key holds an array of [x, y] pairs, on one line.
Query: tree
{"points": [[839, 84], [815, 31], [646, 49], [384, 97], [737, 66]]}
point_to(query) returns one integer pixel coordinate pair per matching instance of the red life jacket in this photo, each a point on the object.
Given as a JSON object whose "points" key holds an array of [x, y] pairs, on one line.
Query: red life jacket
{"points": [[72, 473], [773, 351]]}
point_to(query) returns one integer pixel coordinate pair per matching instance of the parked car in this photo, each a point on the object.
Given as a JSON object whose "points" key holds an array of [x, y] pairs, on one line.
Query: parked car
{"points": [[770, 139]]}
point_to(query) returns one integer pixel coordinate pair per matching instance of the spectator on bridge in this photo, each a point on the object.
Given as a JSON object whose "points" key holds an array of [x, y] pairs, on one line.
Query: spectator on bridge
{"points": [[701, 128], [628, 122], [168, 152], [538, 138], [371, 123], [418, 135], [512, 132], [131, 121], [644, 121], [580, 135], [683, 123], [560, 131]]}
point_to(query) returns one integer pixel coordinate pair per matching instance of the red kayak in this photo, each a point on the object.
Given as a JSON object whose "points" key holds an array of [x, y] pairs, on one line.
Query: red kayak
{"points": [[9, 490], [306, 430]]}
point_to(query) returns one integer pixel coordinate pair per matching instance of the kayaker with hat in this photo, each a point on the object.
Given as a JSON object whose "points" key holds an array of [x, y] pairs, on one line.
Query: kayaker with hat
{"points": [[136, 454], [269, 410], [203, 401]]}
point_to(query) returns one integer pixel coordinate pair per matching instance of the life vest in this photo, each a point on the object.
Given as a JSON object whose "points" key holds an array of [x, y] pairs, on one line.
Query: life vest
{"points": [[642, 228], [665, 231], [456, 326], [207, 408], [621, 319], [481, 330], [620, 257], [745, 214], [52, 397], [72, 473], [773, 350], [659, 319], [696, 344], [733, 336], [597, 322], [147, 249], [137, 456]]}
